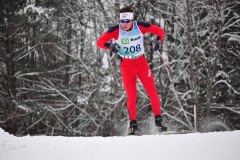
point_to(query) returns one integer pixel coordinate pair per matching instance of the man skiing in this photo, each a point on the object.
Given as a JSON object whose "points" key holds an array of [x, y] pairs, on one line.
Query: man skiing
{"points": [[128, 35]]}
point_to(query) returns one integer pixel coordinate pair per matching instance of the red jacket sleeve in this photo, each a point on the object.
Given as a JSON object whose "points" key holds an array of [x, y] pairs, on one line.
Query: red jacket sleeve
{"points": [[150, 28], [112, 33]]}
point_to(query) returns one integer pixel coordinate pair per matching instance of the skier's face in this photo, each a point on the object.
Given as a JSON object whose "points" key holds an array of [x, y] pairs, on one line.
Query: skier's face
{"points": [[126, 24]]}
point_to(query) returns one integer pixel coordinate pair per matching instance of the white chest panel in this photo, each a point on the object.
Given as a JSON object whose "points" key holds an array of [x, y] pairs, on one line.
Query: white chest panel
{"points": [[130, 42]]}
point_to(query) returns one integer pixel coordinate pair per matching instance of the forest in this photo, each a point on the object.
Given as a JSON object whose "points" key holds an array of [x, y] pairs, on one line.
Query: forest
{"points": [[54, 80]]}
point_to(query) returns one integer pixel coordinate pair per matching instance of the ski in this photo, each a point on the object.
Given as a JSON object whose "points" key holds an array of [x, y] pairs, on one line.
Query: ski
{"points": [[174, 132]]}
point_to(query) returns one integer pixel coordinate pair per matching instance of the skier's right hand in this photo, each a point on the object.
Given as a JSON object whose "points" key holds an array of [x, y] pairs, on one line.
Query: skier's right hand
{"points": [[114, 48]]}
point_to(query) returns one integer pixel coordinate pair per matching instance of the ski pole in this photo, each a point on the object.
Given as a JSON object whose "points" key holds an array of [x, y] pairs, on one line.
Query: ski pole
{"points": [[165, 62]]}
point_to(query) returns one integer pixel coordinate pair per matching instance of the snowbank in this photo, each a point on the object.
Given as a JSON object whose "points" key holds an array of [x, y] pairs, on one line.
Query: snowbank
{"points": [[194, 146]]}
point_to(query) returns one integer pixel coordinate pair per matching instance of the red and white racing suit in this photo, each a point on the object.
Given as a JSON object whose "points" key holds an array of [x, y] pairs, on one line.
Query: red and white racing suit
{"points": [[134, 65]]}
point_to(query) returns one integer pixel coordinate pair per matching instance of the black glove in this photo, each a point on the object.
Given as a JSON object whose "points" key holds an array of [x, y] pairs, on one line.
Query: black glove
{"points": [[157, 44], [113, 47]]}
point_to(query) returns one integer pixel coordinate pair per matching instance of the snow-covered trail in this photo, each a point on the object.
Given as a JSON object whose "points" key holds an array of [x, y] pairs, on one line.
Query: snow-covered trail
{"points": [[194, 146]]}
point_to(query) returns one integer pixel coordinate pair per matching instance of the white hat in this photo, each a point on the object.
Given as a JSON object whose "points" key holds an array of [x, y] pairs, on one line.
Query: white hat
{"points": [[126, 15]]}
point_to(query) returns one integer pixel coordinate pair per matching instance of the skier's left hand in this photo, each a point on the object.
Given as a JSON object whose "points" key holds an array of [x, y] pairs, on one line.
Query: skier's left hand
{"points": [[157, 44]]}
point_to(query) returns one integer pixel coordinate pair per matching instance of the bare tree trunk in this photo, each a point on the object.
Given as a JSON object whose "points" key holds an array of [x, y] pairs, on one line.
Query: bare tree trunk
{"points": [[10, 67], [11, 80], [68, 57], [190, 41], [117, 9]]}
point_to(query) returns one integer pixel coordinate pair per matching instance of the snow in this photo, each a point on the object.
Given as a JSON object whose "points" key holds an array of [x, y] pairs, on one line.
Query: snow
{"points": [[105, 61], [39, 10], [194, 146]]}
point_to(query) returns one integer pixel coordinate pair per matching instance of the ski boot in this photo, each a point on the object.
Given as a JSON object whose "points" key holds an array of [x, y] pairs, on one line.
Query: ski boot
{"points": [[159, 123], [133, 127]]}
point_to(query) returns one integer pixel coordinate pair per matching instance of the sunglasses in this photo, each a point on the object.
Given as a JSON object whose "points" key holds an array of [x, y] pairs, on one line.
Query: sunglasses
{"points": [[125, 20]]}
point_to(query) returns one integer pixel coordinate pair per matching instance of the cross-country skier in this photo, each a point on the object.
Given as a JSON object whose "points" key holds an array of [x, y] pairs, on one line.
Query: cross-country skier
{"points": [[128, 35]]}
